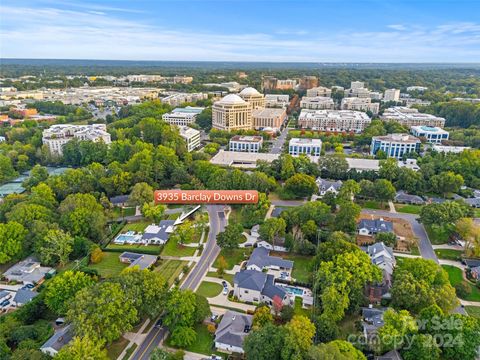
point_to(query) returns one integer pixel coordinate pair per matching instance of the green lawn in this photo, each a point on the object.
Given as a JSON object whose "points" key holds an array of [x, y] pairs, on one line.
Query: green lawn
{"points": [[109, 266], [437, 235], [455, 277], [227, 277], [302, 266], [138, 227], [170, 269], [204, 342], [115, 349], [117, 212], [149, 249], [233, 257], [129, 352], [171, 248], [477, 213], [347, 326], [449, 254], [371, 204], [473, 311], [299, 310], [209, 289], [410, 209]]}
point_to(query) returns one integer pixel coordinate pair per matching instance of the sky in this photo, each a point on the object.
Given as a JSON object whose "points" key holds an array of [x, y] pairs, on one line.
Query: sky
{"points": [[242, 30]]}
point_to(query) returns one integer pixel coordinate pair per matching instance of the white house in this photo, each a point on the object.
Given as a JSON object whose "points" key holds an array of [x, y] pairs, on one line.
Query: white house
{"points": [[367, 227], [58, 340], [258, 287], [325, 186]]}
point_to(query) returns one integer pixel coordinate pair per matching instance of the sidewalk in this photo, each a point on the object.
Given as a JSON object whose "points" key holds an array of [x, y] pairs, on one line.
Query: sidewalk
{"points": [[446, 246], [457, 264], [134, 338], [392, 207]]}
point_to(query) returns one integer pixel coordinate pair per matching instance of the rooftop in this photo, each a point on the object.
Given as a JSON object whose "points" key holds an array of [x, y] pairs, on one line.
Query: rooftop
{"points": [[61, 338], [161, 231], [242, 159], [404, 138], [231, 99], [143, 261], [261, 257], [305, 141], [233, 328], [189, 110], [27, 271], [363, 164], [245, 138], [249, 91]]}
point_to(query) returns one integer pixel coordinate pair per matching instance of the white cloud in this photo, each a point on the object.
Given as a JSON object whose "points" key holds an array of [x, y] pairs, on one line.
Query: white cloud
{"points": [[95, 34]]}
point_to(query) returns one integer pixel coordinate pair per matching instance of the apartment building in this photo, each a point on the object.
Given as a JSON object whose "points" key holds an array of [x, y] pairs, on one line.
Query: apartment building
{"points": [[277, 100], [417, 88], [182, 116], [395, 145], [317, 103], [298, 146], [334, 120], [246, 143], [191, 137], [411, 117], [176, 99], [357, 85], [319, 91], [253, 97], [360, 104], [308, 82], [57, 136], [232, 113], [286, 84], [269, 118], [392, 95], [433, 135]]}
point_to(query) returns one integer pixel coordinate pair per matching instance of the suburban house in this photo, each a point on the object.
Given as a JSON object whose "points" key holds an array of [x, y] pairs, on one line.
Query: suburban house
{"points": [[23, 296], [158, 234], [120, 200], [325, 186], [372, 320], [28, 271], [58, 340], [267, 245], [4, 295], [277, 211], [143, 261], [261, 260], [258, 287], [473, 202], [404, 198], [383, 257], [370, 227], [232, 330], [391, 355]]}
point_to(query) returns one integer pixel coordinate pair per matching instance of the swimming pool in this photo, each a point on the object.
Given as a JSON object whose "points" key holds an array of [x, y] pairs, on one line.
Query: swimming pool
{"points": [[293, 290], [126, 238]]}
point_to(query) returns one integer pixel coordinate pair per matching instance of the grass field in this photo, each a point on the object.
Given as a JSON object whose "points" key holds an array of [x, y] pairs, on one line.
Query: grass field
{"points": [[347, 326], [227, 277], [437, 235], [209, 289], [135, 226], [172, 248], [117, 212], [299, 310], [455, 276], [233, 257], [473, 311], [149, 249], [109, 266], [302, 265], [170, 269], [449, 254], [409, 209]]}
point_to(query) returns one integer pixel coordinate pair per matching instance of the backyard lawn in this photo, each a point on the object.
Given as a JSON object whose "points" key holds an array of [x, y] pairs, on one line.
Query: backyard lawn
{"points": [[135, 226], [302, 266], [455, 277], [437, 235], [299, 310], [117, 212], [410, 209], [371, 204], [449, 254], [171, 248], [149, 249], [204, 342], [109, 266], [473, 311], [171, 269], [209, 289], [233, 257]]}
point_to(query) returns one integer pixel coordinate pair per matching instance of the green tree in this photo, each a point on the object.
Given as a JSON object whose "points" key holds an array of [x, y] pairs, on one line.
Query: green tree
{"points": [[389, 169], [183, 233], [384, 190], [287, 169], [61, 290], [397, 325], [153, 212], [271, 229], [183, 336], [300, 185], [38, 174], [202, 308], [13, 236], [141, 193], [299, 337], [265, 343], [422, 347], [388, 238], [446, 182], [262, 317], [82, 349], [180, 309], [230, 238], [56, 247], [335, 350], [349, 189], [347, 216]]}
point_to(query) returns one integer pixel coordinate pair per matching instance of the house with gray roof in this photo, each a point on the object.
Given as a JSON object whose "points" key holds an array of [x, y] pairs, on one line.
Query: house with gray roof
{"points": [[23, 296], [120, 200], [391, 355], [381, 256], [325, 186], [403, 198], [370, 227], [58, 340], [372, 320], [232, 330], [28, 271], [143, 261], [473, 202], [258, 287], [261, 260], [158, 234]]}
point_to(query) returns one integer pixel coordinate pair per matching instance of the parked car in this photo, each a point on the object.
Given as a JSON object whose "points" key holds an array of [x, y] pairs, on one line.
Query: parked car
{"points": [[224, 283], [5, 303], [225, 291], [159, 323], [213, 318]]}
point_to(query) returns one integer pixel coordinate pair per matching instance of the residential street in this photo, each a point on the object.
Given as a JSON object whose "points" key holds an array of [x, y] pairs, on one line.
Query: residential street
{"points": [[210, 253], [279, 141]]}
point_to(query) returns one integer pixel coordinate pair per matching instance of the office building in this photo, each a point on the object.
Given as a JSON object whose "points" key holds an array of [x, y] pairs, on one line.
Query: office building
{"points": [[268, 118], [253, 97], [58, 135], [417, 88], [317, 103], [433, 135], [176, 99], [319, 91], [411, 117], [357, 85], [246, 143], [392, 95], [191, 137], [286, 84], [308, 82], [334, 120], [395, 145], [232, 113], [450, 149], [182, 116], [360, 104], [276, 101], [358, 92], [298, 146]]}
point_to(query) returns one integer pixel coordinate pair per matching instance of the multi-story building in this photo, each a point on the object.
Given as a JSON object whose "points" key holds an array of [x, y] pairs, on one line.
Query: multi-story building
{"points": [[319, 91], [357, 85], [334, 120], [182, 79], [246, 143], [182, 116], [411, 117], [317, 103], [57, 136], [286, 84], [308, 82], [298, 146], [395, 145], [253, 97], [276, 100], [433, 135], [375, 95], [360, 104], [191, 137], [177, 99], [392, 95], [268, 118], [358, 92], [450, 149], [417, 88], [232, 113], [269, 83]]}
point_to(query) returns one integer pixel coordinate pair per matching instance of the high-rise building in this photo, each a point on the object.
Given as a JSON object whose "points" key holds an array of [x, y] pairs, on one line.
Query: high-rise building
{"points": [[232, 113], [392, 95], [268, 118], [253, 97]]}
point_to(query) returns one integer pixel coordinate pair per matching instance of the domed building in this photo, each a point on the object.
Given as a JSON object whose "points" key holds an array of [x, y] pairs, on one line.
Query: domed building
{"points": [[232, 113], [252, 96]]}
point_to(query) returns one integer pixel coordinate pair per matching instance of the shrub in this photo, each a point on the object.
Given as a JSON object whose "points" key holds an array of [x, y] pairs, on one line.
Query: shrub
{"points": [[463, 289]]}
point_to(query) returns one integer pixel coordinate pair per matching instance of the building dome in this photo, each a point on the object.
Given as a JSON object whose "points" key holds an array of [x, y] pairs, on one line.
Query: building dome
{"points": [[232, 99], [249, 91]]}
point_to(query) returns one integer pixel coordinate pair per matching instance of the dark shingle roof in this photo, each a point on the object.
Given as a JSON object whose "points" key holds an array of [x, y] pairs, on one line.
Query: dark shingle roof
{"points": [[233, 328], [23, 296], [261, 258], [271, 290], [376, 225], [61, 338], [120, 199], [250, 279]]}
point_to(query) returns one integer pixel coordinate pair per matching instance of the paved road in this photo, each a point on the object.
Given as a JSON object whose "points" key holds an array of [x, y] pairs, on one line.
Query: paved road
{"points": [[277, 145], [288, 202], [210, 252]]}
